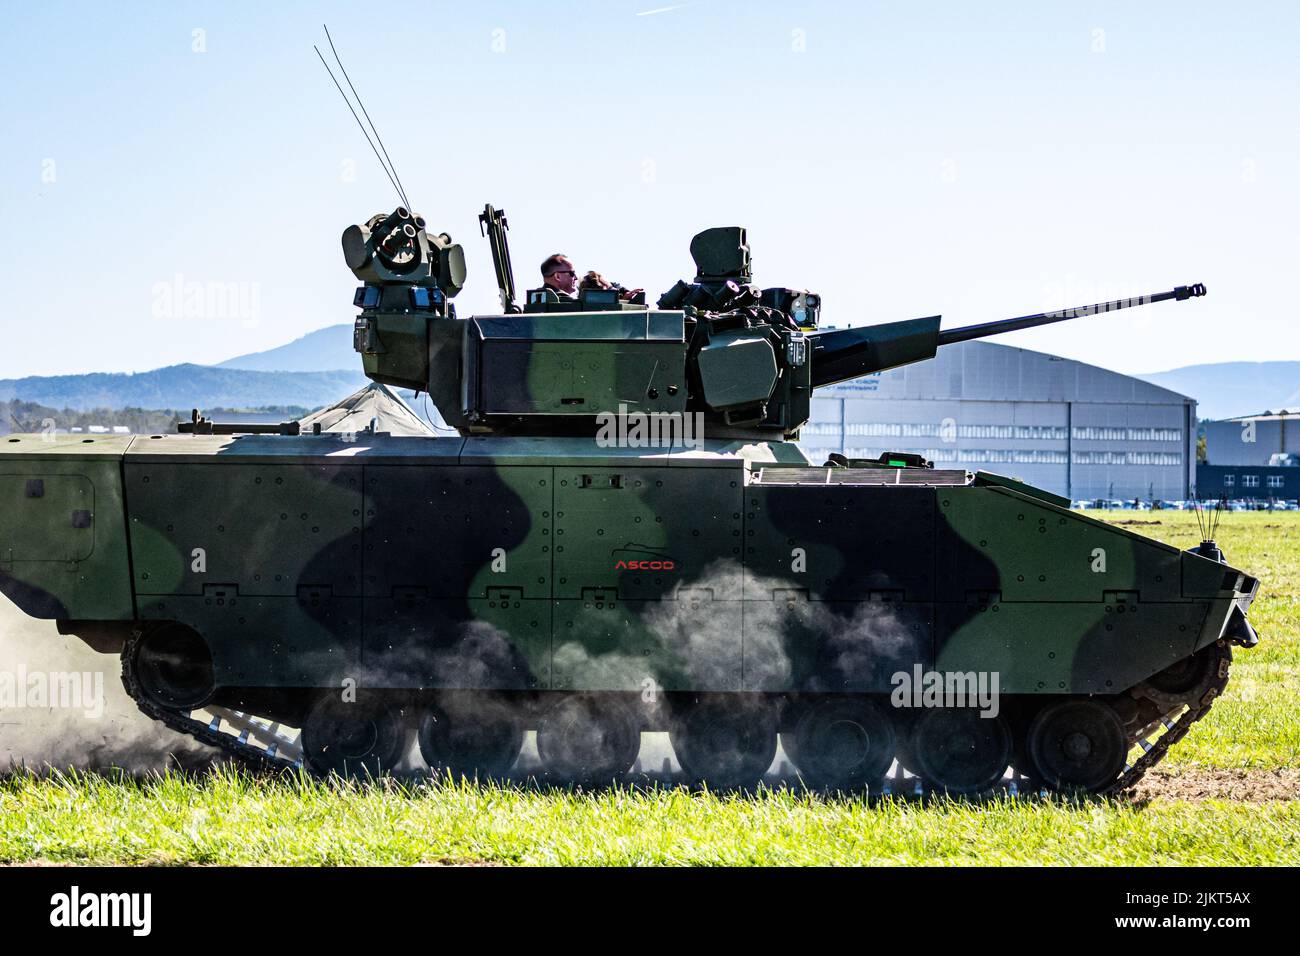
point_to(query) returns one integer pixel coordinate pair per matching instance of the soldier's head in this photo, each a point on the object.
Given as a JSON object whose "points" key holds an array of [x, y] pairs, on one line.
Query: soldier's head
{"points": [[594, 280], [558, 274]]}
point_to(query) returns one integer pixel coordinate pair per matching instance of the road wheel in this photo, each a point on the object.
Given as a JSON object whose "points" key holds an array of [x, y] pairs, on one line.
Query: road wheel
{"points": [[961, 752], [588, 740], [726, 745], [360, 739], [475, 739], [845, 744], [1077, 745]]}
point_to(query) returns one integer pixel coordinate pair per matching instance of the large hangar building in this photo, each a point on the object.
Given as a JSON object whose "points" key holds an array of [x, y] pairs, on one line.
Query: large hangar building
{"points": [[1075, 429]]}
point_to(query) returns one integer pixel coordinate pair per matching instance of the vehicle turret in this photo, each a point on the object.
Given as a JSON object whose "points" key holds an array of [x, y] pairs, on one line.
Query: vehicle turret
{"points": [[747, 359]]}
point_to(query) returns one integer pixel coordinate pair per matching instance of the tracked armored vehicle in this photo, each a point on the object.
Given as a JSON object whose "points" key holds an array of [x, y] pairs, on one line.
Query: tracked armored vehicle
{"points": [[617, 534]]}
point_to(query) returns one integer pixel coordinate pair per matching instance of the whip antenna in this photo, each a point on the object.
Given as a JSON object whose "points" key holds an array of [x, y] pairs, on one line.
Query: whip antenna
{"points": [[398, 180], [363, 128]]}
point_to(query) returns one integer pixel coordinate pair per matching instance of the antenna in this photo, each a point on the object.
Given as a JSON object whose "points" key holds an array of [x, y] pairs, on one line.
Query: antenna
{"points": [[391, 173], [363, 129], [1207, 519], [400, 188]]}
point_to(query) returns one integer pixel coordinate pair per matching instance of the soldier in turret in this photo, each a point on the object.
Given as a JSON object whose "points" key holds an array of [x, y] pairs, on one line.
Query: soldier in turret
{"points": [[559, 276], [594, 280]]}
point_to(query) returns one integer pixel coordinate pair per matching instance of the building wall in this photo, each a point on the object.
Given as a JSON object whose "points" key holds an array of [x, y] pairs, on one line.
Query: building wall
{"points": [[1251, 440], [1070, 428]]}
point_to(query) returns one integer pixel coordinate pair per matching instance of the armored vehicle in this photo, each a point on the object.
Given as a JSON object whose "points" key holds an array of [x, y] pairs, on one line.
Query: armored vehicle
{"points": [[617, 533]]}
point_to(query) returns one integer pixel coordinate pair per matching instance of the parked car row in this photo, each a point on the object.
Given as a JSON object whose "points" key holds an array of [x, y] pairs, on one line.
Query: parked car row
{"points": [[1138, 504]]}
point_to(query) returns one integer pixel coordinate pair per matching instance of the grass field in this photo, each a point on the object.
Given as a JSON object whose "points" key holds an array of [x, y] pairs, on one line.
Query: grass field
{"points": [[229, 817]]}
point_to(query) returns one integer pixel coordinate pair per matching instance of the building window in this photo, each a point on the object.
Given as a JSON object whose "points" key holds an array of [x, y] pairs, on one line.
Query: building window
{"points": [[939, 430], [1127, 458], [1229, 481], [1103, 433], [1099, 433], [874, 429], [1275, 481], [1250, 481], [1152, 458]]}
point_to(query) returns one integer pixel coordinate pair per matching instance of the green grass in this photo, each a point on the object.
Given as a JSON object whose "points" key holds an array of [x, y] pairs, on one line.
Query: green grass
{"points": [[228, 817]]}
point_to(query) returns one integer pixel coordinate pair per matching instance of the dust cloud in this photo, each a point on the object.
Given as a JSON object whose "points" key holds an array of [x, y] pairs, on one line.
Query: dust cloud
{"points": [[62, 706]]}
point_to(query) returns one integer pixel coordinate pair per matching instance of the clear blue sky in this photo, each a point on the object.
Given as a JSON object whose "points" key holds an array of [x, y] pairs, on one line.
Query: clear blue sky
{"points": [[974, 160]]}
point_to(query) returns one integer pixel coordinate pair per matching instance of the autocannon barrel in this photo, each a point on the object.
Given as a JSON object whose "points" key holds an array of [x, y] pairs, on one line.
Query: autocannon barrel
{"points": [[969, 332], [848, 353]]}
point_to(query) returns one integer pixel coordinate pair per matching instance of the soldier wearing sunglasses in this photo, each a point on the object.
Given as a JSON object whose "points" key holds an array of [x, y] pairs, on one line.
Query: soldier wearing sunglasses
{"points": [[559, 276]]}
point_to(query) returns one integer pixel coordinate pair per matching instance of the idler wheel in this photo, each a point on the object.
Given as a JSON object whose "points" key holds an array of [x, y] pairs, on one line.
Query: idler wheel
{"points": [[1077, 745], [959, 751], [588, 740], [364, 738], [1181, 676], [1188, 680], [174, 667], [844, 744], [727, 745], [471, 739]]}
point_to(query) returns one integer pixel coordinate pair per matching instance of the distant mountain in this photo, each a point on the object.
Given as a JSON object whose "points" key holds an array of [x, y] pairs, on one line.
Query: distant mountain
{"points": [[1228, 389], [313, 371], [324, 350], [186, 386]]}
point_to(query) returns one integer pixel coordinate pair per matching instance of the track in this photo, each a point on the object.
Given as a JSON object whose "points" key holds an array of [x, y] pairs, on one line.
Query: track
{"points": [[263, 745]]}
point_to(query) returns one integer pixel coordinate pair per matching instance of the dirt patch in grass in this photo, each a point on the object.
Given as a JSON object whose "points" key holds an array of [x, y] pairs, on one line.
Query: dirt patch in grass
{"points": [[1244, 786]]}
